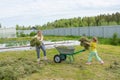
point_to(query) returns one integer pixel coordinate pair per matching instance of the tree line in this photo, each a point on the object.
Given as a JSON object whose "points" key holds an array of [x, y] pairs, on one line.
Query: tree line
{"points": [[99, 20]]}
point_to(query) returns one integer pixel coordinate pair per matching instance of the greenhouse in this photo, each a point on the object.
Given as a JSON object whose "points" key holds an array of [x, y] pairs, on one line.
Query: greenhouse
{"points": [[7, 32]]}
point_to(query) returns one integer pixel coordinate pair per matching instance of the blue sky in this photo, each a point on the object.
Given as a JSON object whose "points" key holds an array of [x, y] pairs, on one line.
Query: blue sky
{"points": [[39, 12]]}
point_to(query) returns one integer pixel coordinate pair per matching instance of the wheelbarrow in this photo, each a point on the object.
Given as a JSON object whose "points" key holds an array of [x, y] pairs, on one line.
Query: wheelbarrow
{"points": [[65, 52]]}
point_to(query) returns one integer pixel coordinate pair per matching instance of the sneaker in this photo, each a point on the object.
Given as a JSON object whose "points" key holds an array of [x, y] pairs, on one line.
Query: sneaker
{"points": [[101, 62], [88, 63], [45, 58], [38, 60]]}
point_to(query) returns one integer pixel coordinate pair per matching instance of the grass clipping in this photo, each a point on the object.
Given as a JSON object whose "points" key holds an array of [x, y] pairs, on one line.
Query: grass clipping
{"points": [[85, 42], [65, 49], [35, 42]]}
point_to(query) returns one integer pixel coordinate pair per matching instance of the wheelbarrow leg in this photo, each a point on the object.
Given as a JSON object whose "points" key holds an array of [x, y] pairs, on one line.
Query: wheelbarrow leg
{"points": [[71, 58]]}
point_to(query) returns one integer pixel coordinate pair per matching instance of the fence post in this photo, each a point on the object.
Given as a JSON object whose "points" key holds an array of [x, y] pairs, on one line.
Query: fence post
{"points": [[89, 33], [103, 32]]}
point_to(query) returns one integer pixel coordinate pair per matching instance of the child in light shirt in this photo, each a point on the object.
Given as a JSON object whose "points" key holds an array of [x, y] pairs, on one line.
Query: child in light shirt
{"points": [[93, 52]]}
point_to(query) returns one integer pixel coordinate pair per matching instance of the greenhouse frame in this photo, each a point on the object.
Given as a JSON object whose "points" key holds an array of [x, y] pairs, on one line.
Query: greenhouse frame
{"points": [[7, 32]]}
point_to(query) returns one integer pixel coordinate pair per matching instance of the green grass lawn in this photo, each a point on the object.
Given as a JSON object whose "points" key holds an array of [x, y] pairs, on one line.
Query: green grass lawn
{"points": [[22, 65]]}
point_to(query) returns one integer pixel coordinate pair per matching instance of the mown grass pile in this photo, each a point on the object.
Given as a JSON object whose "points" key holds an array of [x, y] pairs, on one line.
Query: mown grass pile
{"points": [[13, 68], [35, 42], [22, 65], [85, 42]]}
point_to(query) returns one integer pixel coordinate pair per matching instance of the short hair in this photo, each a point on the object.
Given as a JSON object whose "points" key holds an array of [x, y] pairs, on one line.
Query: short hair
{"points": [[39, 31]]}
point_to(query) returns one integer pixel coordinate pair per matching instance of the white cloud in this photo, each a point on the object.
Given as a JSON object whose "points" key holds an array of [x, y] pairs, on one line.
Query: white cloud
{"points": [[98, 3], [47, 7], [55, 8]]}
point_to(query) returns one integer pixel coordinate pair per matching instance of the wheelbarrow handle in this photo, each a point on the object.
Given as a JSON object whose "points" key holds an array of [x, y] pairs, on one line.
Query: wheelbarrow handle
{"points": [[79, 51], [83, 50]]}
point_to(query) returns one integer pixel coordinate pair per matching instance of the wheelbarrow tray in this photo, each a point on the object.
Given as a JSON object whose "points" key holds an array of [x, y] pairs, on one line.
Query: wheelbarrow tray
{"points": [[65, 49]]}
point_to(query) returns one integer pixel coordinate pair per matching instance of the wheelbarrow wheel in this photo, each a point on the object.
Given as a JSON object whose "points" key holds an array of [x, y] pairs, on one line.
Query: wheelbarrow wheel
{"points": [[57, 59]]}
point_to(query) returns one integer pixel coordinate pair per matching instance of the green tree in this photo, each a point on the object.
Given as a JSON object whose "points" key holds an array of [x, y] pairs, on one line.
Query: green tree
{"points": [[117, 18], [99, 20], [115, 39], [32, 33], [22, 34], [17, 27], [108, 18], [0, 26]]}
